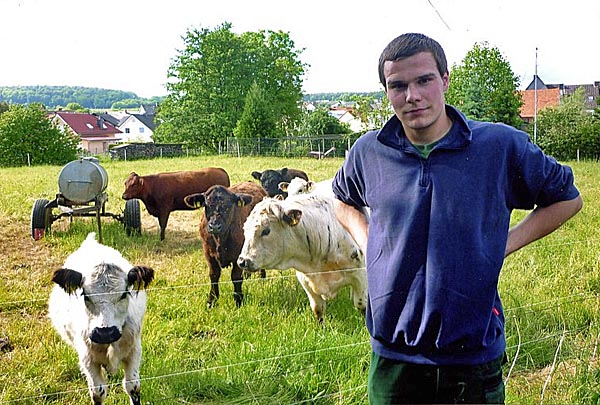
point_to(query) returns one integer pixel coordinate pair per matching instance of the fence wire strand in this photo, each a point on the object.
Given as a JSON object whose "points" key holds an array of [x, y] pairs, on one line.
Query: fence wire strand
{"points": [[556, 302]]}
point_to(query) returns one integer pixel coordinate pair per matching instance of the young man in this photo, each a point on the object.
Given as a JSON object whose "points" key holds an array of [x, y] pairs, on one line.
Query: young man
{"points": [[441, 189]]}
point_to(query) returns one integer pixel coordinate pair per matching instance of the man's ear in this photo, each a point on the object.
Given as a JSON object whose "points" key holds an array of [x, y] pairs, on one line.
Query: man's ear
{"points": [[446, 81]]}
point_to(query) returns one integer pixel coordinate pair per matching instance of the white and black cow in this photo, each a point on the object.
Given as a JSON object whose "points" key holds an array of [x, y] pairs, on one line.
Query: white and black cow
{"points": [[300, 186], [302, 233], [97, 306]]}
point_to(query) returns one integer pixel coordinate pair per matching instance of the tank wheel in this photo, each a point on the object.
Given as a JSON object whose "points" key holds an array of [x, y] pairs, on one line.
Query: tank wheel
{"points": [[40, 219], [132, 218]]}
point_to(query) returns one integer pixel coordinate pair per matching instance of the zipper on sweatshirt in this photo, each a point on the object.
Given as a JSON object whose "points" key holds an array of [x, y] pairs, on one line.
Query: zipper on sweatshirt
{"points": [[424, 175]]}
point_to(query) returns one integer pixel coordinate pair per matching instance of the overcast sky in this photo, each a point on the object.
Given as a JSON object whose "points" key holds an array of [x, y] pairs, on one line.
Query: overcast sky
{"points": [[129, 44]]}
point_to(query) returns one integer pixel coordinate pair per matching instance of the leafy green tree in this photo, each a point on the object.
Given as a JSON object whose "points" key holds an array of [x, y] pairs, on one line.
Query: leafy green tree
{"points": [[257, 120], [320, 122], [372, 111], [76, 107], [568, 130], [210, 78], [28, 136], [484, 87]]}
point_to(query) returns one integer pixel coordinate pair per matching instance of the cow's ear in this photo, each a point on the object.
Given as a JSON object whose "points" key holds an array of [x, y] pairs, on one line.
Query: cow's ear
{"points": [[243, 199], [257, 175], [292, 217], [69, 280], [140, 277], [284, 171], [195, 201], [283, 186]]}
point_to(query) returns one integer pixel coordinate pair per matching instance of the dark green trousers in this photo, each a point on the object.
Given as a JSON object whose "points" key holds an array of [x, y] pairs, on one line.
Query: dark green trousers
{"points": [[397, 382]]}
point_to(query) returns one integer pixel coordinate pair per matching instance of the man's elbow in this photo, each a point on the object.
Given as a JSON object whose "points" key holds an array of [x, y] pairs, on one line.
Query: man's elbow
{"points": [[577, 204]]}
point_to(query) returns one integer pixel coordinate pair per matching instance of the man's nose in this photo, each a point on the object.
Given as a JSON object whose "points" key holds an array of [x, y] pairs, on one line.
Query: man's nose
{"points": [[412, 93]]}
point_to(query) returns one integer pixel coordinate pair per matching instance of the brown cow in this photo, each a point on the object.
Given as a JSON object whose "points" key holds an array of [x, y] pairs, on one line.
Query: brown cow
{"points": [[221, 230], [164, 192], [270, 179]]}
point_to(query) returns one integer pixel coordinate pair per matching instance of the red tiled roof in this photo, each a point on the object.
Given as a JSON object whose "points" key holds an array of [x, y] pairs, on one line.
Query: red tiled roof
{"points": [[545, 98], [87, 124]]}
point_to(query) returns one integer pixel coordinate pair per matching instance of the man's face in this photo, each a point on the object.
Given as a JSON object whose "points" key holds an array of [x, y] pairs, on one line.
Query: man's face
{"points": [[416, 92]]}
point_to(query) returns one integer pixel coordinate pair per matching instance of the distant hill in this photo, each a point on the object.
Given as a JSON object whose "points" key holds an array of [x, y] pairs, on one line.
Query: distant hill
{"points": [[53, 97], [59, 96]]}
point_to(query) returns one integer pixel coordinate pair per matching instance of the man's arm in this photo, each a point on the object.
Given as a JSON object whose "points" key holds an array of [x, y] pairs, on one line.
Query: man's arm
{"points": [[354, 221], [540, 222]]}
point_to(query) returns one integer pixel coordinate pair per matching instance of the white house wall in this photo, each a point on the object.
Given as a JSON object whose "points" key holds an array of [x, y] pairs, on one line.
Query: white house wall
{"points": [[135, 131]]}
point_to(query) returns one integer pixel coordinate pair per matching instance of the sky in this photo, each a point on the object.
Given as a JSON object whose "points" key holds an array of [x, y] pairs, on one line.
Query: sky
{"points": [[130, 44]]}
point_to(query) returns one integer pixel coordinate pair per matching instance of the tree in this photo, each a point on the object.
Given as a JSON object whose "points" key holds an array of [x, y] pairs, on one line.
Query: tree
{"points": [[320, 122], [210, 78], [568, 130], [257, 120], [484, 87], [27, 136], [372, 111], [76, 107]]}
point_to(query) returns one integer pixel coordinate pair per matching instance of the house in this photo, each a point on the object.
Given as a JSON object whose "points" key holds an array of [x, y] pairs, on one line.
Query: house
{"points": [[547, 96], [148, 109], [344, 115], [95, 132], [550, 95], [137, 127], [591, 91]]}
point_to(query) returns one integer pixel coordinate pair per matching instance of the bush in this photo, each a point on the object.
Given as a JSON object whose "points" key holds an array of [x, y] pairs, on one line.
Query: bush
{"points": [[27, 137]]}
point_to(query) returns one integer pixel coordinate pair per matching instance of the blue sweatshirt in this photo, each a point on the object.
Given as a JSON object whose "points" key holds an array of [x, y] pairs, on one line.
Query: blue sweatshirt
{"points": [[438, 232]]}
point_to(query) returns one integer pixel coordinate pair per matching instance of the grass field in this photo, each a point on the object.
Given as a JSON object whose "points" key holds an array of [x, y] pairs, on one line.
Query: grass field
{"points": [[271, 350]]}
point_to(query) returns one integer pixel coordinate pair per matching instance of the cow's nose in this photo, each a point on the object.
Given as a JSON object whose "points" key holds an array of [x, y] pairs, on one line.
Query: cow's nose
{"points": [[245, 264], [105, 335], [215, 228]]}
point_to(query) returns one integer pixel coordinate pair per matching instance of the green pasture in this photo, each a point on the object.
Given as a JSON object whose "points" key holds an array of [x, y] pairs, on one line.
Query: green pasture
{"points": [[271, 350]]}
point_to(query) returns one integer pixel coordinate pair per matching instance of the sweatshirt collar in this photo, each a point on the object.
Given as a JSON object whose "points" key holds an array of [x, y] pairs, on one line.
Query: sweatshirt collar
{"points": [[392, 134]]}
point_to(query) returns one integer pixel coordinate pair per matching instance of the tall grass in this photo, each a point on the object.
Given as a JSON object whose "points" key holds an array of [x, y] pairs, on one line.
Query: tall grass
{"points": [[271, 350]]}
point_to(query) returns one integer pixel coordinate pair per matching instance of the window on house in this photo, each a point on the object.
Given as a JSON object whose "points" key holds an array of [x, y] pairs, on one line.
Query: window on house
{"points": [[90, 126], [127, 130], [141, 130]]}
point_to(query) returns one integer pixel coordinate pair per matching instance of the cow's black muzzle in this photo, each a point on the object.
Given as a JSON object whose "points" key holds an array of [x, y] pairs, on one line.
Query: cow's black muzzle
{"points": [[105, 335]]}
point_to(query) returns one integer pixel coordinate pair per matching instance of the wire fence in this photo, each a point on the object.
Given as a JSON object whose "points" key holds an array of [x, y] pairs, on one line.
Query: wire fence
{"points": [[317, 147], [510, 312]]}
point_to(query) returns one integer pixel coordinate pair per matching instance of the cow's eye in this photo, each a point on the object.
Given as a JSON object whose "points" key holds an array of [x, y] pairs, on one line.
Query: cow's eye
{"points": [[265, 232]]}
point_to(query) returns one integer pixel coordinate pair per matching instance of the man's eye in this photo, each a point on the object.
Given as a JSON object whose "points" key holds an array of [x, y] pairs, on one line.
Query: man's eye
{"points": [[265, 232], [398, 86]]}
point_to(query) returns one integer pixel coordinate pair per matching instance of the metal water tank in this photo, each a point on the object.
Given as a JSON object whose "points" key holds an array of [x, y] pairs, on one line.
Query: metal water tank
{"points": [[80, 181]]}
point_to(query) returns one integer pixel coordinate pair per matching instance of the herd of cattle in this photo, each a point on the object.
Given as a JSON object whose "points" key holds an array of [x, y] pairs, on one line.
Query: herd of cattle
{"points": [[286, 221]]}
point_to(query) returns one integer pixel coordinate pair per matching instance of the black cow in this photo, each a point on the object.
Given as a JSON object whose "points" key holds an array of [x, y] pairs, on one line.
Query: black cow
{"points": [[270, 179]]}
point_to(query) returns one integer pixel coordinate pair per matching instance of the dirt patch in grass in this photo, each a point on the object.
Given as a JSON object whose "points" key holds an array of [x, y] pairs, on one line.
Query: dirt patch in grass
{"points": [[23, 257]]}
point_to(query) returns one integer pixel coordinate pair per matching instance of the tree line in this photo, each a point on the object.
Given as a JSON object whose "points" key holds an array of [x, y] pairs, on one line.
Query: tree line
{"points": [[55, 97]]}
